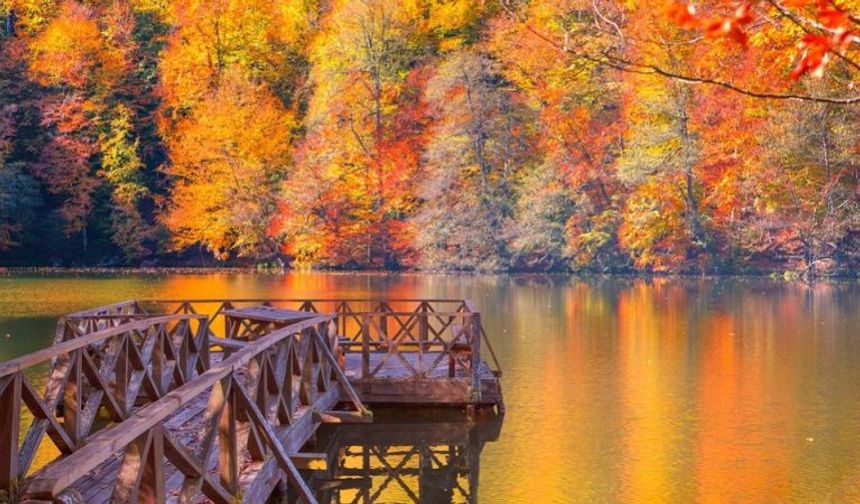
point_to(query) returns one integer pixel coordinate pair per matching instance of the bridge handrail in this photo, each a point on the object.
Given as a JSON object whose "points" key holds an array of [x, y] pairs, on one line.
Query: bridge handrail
{"points": [[348, 316], [227, 394], [38, 357], [126, 310], [114, 368]]}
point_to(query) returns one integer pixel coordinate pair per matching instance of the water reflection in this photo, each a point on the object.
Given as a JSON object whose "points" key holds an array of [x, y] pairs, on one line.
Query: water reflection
{"points": [[617, 389], [426, 457]]}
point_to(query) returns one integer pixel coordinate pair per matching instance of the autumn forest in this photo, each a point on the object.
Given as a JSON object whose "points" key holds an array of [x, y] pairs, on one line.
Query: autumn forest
{"points": [[496, 135]]}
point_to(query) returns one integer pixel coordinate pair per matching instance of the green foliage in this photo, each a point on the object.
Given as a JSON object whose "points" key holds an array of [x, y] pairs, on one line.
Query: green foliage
{"points": [[122, 168], [19, 197], [541, 237]]}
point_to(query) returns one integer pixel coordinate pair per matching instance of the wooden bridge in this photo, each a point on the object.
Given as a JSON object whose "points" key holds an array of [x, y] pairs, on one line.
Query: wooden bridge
{"points": [[220, 400]]}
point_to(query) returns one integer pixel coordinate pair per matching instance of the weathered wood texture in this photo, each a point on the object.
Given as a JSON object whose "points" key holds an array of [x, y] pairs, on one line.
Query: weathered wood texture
{"points": [[259, 410], [415, 339], [248, 324], [178, 428], [76, 324], [111, 371]]}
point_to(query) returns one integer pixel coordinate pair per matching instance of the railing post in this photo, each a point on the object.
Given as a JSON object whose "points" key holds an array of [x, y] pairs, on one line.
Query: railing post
{"points": [[383, 320], [152, 471], [158, 360], [228, 456], [423, 324], [10, 413], [365, 347], [73, 398], [203, 348], [123, 372], [475, 349]]}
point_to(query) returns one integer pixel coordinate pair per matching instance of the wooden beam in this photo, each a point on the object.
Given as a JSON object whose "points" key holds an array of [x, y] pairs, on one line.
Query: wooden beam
{"points": [[338, 417], [185, 462], [229, 344], [310, 461]]}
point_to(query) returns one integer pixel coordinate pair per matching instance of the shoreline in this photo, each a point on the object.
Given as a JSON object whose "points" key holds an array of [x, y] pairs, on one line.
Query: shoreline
{"points": [[775, 275]]}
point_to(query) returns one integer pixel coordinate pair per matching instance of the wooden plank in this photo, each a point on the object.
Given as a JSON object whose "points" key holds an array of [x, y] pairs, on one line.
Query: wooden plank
{"points": [[268, 314], [151, 488], [230, 344], [274, 444], [185, 462]]}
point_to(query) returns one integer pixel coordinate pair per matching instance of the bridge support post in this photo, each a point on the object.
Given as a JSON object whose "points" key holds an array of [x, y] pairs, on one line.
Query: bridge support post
{"points": [[10, 413]]}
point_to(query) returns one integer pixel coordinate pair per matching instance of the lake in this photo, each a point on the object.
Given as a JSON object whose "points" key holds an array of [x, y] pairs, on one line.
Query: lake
{"points": [[617, 389]]}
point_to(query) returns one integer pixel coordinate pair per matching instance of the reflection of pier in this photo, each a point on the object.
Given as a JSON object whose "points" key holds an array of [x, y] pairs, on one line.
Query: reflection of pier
{"points": [[191, 401], [404, 460]]}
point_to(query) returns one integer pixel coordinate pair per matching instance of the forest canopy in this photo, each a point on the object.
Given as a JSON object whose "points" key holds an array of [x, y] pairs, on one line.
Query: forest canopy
{"points": [[478, 135]]}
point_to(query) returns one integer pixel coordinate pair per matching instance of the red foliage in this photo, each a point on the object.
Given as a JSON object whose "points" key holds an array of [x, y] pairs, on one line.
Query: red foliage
{"points": [[816, 49]]}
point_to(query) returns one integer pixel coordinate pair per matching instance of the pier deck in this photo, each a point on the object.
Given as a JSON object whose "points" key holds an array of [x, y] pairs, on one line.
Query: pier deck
{"points": [[189, 401]]}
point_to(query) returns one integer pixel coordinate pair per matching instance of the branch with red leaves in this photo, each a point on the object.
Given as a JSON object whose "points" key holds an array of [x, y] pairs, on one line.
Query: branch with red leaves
{"points": [[734, 27], [833, 29]]}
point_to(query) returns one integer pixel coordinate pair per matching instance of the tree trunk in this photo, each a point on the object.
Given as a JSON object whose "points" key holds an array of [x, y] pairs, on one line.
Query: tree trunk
{"points": [[694, 222]]}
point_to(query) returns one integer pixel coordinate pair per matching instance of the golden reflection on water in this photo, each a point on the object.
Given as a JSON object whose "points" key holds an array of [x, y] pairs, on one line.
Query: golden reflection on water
{"points": [[618, 390]]}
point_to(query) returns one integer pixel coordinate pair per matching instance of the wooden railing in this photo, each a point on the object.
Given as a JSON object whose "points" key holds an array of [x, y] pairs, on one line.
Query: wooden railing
{"points": [[421, 338], [342, 308], [421, 344], [118, 368], [88, 321], [407, 325], [390, 316], [261, 404]]}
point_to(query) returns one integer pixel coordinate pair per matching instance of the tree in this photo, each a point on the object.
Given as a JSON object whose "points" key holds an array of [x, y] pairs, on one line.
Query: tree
{"points": [[824, 30], [569, 207], [122, 168], [226, 161], [94, 109], [19, 191], [19, 194], [479, 143], [807, 205], [359, 60], [365, 128], [229, 136]]}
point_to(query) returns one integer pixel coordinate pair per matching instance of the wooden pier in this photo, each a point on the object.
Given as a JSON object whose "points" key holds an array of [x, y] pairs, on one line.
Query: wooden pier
{"points": [[220, 400]]}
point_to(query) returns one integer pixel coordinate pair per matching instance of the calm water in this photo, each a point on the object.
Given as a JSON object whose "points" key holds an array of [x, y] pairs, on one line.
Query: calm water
{"points": [[617, 390]]}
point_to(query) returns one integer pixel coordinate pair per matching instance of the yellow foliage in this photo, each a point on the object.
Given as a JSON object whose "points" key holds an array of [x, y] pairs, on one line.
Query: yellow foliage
{"points": [[226, 158], [72, 50]]}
